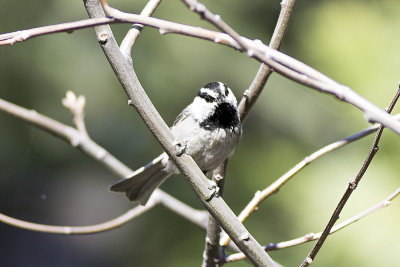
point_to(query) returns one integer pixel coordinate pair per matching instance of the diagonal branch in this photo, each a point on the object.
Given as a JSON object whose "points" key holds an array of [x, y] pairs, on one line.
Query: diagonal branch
{"points": [[251, 95], [69, 134], [216, 20], [139, 100], [279, 62], [351, 187], [133, 33], [274, 187], [296, 70], [311, 236], [80, 140]]}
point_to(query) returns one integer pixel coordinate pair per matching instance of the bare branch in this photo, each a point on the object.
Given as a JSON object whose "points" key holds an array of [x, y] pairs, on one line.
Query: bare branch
{"points": [[296, 70], [23, 35], [216, 20], [164, 27], [133, 33], [251, 95], [351, 187], [71, 135], [82, 141], [138, 98], [279, 62], [274, 187], [76, 105], [311, 236], [195, 216], [79, 230]]}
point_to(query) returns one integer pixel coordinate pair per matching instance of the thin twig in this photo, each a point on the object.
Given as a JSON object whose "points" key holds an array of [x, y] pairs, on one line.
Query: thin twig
{"points": [[79, 230], [164, 27], [351, 187], [311, 236], [195, 216], [274, 187], [23, 35], [216, 20], [76, 105], [279, 62], [296, 70], [139, 100], [284, 66], [69, 134], [251, 95], [133, 33], [82, 141]]}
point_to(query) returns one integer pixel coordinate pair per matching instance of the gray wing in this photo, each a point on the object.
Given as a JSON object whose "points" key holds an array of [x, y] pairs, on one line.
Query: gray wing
{"points": [[183, 115]]}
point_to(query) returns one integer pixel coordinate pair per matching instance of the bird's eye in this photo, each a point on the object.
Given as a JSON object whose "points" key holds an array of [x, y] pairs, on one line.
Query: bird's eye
{"points": [[206, 96], [226, 90]]}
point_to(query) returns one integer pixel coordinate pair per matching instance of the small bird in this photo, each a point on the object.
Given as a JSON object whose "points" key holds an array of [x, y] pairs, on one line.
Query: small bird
{"points": [[209, 127]]}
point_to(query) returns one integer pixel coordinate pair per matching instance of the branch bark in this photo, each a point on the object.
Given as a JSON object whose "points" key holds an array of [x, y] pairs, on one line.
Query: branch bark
{"points": [[251, 95], [213, 253], [296, 70], [279, 62], [79, 139], [274, 187], [138, 98], [133, 33], [311, 236], [351, 187]]}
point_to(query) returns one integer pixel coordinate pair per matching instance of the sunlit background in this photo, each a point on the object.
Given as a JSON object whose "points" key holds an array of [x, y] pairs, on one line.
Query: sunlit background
{"points": [[45, 180]]}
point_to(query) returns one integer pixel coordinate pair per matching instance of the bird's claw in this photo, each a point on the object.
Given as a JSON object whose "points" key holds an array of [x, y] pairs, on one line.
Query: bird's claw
{"points": [[181, 148], [214, 189]]}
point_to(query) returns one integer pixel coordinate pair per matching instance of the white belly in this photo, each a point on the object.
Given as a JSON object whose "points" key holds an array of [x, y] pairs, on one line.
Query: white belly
{"points": [[207, 148]]}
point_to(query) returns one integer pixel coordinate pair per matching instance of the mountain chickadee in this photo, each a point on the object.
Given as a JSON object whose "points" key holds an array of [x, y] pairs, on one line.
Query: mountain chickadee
{"points": [[209, 127]]}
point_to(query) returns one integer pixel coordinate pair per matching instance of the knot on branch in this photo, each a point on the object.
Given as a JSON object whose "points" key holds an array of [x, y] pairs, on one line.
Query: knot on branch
{"points": [[352, 184], [214, 191], [181, 148], [102, 37]]}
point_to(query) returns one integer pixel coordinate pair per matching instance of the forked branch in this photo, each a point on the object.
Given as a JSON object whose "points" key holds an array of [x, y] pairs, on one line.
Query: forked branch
{"points": [[279, 62], [195, 177], [79, 139]]}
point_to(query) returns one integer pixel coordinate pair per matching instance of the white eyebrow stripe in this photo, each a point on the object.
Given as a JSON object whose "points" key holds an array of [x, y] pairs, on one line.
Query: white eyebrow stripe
{"points": [[209, 92]]}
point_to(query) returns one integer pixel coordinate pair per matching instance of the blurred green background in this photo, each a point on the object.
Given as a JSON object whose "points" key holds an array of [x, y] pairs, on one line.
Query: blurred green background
{"points": [[45, 180]]}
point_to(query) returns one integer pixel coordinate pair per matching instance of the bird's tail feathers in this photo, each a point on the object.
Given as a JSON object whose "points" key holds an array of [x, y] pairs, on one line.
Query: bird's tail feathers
{"points": [[141, 184]]}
